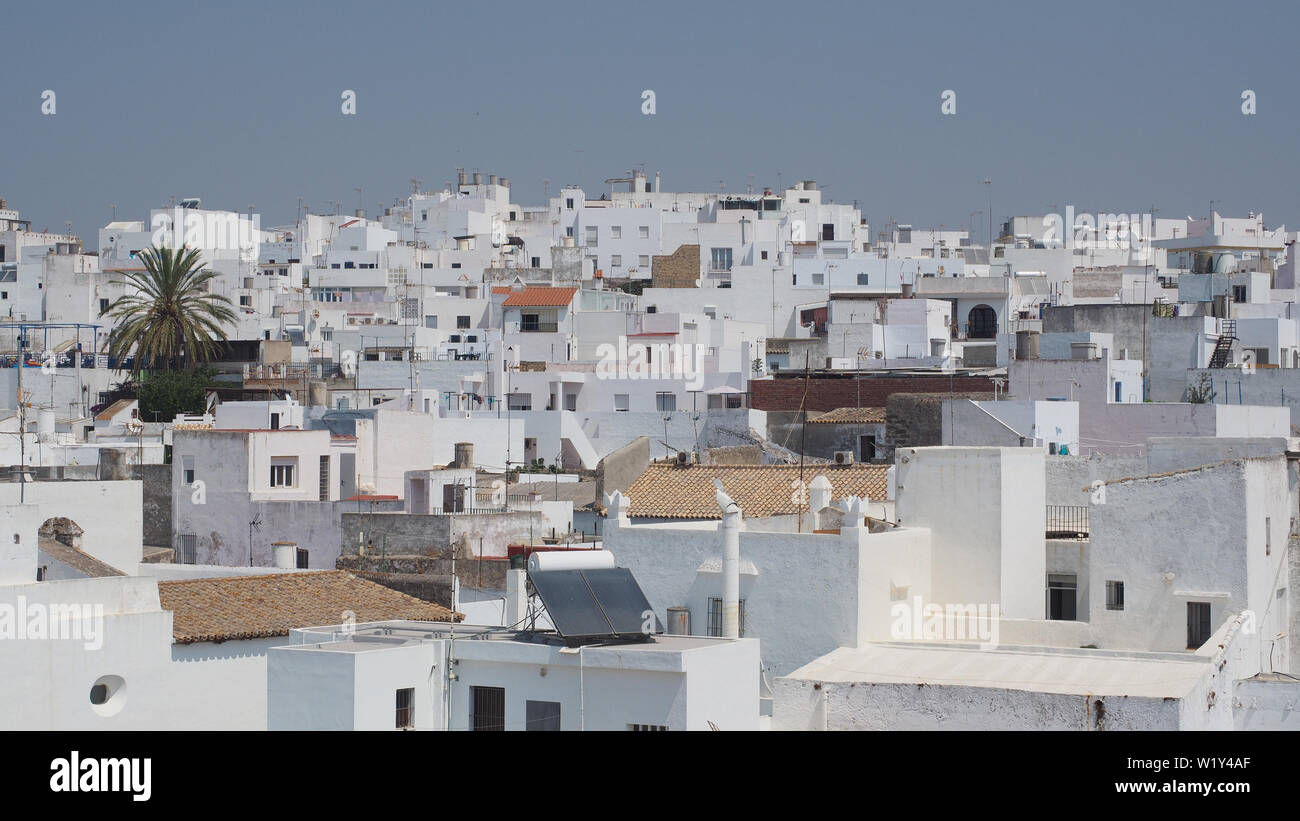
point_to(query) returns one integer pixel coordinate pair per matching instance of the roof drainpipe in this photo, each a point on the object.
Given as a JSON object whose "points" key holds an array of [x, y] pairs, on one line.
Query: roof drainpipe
{"points": [[730, 527]]}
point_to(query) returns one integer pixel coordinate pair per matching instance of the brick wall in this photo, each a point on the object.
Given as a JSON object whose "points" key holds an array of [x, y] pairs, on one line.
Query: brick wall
{"points": [[680, 269], [827, 394]]}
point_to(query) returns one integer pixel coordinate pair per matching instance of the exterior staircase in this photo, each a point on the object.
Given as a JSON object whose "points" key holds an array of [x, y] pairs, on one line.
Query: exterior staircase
{"points": [[1223, 347]]}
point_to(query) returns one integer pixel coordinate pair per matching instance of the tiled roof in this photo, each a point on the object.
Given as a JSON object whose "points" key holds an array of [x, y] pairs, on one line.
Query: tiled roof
{"points": [[113, 409], [248, 607], [78, 560], [777, 344], [540, 297], [850, 416], [667, 491]]}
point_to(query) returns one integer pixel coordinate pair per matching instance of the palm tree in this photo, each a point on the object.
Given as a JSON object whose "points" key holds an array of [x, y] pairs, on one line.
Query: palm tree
{"points": [[170, 320]]}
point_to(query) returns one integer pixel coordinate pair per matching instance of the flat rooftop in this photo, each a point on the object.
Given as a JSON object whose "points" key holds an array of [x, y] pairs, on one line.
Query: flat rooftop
{"points": [[1041, 670], [366, 637]]}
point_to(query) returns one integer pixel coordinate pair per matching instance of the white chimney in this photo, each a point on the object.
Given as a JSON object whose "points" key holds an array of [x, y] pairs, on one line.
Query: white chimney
{"points": [[730, 528], [819, 497], [285, 555]]}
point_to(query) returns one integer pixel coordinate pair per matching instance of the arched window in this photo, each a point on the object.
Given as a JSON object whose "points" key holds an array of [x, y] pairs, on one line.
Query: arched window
{"points": [[982, 323]]}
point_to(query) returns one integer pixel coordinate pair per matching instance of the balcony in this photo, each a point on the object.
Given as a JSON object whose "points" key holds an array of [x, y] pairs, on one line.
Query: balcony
{"points": [[537, 326], [1067, 522]]}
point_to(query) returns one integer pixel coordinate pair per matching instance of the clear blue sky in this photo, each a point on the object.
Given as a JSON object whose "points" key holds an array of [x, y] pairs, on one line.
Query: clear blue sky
{"points": [[1105, 106]]}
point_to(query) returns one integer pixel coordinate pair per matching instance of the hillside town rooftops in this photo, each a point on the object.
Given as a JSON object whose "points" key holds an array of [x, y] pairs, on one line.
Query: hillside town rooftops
{"points": [[248, 607]]}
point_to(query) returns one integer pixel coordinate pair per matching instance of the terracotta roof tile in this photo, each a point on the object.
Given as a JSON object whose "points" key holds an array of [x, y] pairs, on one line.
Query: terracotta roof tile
{"points": [[535, 296], [247, 607], [671, 492], [850, 416]]}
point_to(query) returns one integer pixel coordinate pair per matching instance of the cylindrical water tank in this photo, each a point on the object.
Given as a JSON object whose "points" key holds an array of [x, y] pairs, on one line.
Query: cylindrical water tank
{"points": [[478, 178], [679, 621], [543, 560], [463, 178], [285, 554], [45, 425]]}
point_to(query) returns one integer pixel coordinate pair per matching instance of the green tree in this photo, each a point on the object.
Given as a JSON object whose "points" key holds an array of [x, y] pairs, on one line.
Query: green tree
{"points": [[164, 394], [170, 320]]}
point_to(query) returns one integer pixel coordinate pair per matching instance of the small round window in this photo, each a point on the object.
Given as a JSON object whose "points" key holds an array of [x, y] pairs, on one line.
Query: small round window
{"points": [[108, 695]]}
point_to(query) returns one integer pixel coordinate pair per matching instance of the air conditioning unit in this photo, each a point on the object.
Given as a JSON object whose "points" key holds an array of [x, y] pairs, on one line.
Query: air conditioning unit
{"points": [[683, 458], [843, 457]]}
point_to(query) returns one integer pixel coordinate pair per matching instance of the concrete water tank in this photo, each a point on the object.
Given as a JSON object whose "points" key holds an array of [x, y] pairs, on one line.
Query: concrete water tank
{"points": [[1026, 344]]}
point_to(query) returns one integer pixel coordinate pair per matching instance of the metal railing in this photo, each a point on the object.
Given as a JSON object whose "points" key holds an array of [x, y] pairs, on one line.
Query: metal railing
{"points": [[1067, 522]]}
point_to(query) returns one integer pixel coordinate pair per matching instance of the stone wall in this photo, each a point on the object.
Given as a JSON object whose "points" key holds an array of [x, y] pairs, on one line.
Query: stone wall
{"points": [[680, 269]]}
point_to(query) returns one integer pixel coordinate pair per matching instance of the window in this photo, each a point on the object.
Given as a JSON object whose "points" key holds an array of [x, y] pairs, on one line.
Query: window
{"points": [[616, 261], [818, 279], [1198, 624], [643, 232], [711, 311], [40, 573], [282, 472], [324, 480], [537, 262], [487, 709], [866, 448], [721, 259], [275, 421], [187, 470], [568, 202], [543, 716], [621, 401], [1062, 596], [568, 231], [646, 728], [1239, 293], [643, 260], [103, 305], [1114, 595], [665, 401], [301, 562], [616, 232], [864, 279], [715, 617], [424, 215], [591, 236], [405, 709], [828, 232], [462, 322]]}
